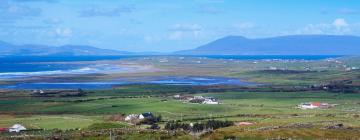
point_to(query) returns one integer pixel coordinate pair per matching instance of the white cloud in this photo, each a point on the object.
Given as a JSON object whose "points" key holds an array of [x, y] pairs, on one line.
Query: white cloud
{"points": [[209, 10], [175, 36], [244, 25], [152, 39], [106, 11], [52, 21], [186, 27], [348, 11], [339, 23], [63, 32], [180, 31], [315, 29], [10, 11], [338, 27]]}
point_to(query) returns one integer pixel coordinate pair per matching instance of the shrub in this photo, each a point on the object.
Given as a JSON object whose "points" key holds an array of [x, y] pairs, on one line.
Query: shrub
{"points": [[97, 126]]}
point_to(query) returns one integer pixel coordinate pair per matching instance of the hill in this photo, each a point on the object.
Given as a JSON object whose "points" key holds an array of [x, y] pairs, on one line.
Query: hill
{"points": [[283, 45], [7, 49]]}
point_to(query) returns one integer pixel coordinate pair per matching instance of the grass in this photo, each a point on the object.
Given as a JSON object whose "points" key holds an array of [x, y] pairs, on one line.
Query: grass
{"points": [[233, 104], [106, 125], [50, 121], [302, 133], [305, 78], [262, 108]]}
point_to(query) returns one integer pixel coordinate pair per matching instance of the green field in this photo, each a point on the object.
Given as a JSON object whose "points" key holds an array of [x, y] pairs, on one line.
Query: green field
{"points": [[261, 108], [270, 106]]}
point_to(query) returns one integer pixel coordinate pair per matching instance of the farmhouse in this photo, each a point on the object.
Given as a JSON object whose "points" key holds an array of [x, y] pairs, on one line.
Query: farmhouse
{"points": [[17, 128], [197, 99], [313, 105], [163, 60], [307, 106], [243, 123], [3, 129], [210, 100], [177, 96], [38, 91], [186, 98], [131, 117], [145, 115], [58, 93]]}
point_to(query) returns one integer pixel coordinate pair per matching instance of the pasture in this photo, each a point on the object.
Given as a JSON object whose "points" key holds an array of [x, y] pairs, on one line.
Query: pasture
{"points": [[259, 107]]}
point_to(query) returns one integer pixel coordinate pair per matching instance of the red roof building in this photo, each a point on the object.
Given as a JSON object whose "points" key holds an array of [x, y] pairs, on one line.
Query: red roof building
{"points": [[318, 104], [3, 129]]}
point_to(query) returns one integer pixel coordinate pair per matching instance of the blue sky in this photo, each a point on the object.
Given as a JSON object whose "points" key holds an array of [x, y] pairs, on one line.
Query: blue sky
{"points": [[169, 25]]}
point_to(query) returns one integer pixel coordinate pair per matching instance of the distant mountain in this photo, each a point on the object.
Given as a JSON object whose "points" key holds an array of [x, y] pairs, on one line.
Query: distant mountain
{"points": [[283, 45], [7, 49]]}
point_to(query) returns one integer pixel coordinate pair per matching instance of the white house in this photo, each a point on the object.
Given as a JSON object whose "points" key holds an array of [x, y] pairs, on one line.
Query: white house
{"points": [[198, 97], [163, 60], [131, 117], [210, 101], [145, 115], [312, 105], [38, 91], [16, 128], [177, 96]]}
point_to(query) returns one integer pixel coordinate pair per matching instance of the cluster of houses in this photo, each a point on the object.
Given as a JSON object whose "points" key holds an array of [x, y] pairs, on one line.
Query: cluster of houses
{"points": [[197, 99], [351, 68], [315, 105], [61, 93], [163, 60], [15, 128], [142, 116]]}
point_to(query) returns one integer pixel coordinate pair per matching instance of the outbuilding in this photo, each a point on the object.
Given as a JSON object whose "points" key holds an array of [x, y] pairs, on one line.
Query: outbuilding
{"points": [[145, 115], [17, 128], [3, 129], [131, 117]]}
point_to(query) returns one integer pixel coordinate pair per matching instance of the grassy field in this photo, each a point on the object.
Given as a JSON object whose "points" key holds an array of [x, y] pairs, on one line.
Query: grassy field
{"points": [[50, 121], [271, 107], [261, 108]]}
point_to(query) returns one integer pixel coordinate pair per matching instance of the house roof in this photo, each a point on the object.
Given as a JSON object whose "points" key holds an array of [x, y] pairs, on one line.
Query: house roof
{"points": [[18, 127], [316, 103], [147, 114]]}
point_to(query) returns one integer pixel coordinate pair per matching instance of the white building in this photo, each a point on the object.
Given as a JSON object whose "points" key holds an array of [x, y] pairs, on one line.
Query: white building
{"points": [[163, 60], [198, 97], [131, 117], [145, 115], [16, 128], [312, 105], [177, 96], [211, 101]]}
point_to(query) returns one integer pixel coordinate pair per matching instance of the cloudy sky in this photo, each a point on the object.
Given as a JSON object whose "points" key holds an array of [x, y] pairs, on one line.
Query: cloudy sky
{"points": [[169, 25]]}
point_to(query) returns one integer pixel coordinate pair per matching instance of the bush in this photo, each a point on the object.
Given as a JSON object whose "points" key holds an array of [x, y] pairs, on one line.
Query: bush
{"points": [[172, 125], [154, 126], [97, 126], [197, 127], [152, 120]]}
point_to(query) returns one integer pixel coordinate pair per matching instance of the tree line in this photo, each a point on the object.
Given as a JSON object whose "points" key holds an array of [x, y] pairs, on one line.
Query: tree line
{"points": [[198, 126]]}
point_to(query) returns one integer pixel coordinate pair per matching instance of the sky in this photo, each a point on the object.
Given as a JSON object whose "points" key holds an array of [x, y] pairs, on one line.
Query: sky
{"points": [[169, 25]]}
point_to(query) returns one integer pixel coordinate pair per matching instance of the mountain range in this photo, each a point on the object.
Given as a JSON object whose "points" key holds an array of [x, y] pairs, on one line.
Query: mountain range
{"points": [[7, 49], [230, 45], [282, 45]]}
